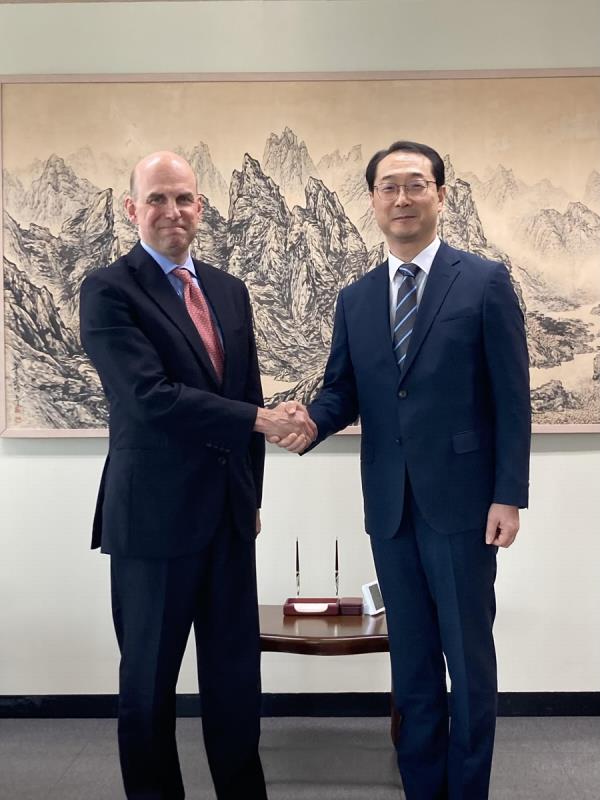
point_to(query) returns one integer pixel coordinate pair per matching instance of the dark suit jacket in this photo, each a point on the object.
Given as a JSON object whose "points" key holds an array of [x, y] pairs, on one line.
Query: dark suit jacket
{"points": [[181, 445], [458, 419]]}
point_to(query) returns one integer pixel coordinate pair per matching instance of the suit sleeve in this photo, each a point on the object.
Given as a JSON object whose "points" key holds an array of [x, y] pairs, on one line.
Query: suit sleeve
{"points": [[254, 395], [508, 369], [134, 377], [336, 405]]}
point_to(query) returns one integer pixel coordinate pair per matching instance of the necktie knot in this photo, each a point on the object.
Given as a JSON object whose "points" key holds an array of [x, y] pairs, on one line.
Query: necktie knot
{"points": [[408, 270], [183, 274]]}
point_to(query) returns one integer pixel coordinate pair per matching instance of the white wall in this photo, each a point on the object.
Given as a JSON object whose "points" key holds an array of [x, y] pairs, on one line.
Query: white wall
{"points": [[55, 628], [289, 35]]}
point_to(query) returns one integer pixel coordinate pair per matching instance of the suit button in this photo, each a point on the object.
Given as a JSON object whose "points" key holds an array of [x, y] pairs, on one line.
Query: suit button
{"points": [[222, 460], [398, 440], [402, 394]]}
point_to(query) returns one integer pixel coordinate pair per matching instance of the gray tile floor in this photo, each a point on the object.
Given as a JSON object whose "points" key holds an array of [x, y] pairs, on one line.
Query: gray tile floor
{"points": [[304, 759]]}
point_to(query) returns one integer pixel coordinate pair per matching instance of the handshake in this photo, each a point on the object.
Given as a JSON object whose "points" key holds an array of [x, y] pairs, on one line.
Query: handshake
{"points": [[287, 425]]}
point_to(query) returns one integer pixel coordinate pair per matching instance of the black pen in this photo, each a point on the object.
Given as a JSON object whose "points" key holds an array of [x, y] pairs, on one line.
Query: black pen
{"points": [[297, 570], [337, 571]]}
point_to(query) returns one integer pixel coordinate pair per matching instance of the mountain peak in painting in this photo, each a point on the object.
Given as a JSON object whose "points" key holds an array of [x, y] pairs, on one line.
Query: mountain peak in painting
{"points": [[504, 191], [502, 187], [332, 162], [591, 195], [289, 163], [554, 234], [257, 225], [460, 224], [345, 175], [58, 193], [210, 181]]}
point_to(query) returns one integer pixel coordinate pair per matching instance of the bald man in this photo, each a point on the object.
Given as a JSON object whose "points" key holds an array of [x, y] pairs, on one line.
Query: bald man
{"points": [[172, 341]]}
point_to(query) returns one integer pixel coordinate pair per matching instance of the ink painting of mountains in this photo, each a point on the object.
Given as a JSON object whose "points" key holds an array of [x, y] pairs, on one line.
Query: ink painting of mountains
{"points": [[286, 208]]}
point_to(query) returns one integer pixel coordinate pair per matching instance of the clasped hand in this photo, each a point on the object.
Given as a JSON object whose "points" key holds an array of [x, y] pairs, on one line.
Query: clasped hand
{"points": [[288, 425]]}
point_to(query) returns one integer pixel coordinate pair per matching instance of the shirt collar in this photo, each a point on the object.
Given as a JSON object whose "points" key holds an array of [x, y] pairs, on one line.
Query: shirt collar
{"points": [[166, 264], [423, 260]]}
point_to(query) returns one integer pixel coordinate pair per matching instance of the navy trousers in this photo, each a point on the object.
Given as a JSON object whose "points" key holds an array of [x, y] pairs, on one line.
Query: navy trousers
{"points": [[155, 604], [440, 605]]}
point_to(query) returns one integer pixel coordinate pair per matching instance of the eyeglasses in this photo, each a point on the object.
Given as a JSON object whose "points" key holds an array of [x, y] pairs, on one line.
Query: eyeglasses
{"points": [[391, 191]]}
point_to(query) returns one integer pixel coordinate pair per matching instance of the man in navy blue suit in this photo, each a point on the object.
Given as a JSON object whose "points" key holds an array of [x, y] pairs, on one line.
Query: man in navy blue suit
{"points": [[429, 349], [173, 343]]}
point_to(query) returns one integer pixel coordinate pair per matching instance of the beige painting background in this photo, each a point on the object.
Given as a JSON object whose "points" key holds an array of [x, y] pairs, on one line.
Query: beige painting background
{"points": [[515, 149], [539, 127]]}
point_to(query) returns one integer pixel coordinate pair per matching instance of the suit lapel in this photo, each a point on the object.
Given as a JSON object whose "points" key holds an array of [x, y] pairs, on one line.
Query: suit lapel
{"points": [[378, 329], [443, 273], [155, 283]]}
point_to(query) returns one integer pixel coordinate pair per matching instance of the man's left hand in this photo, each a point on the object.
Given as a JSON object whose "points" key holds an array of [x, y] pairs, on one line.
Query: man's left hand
{"points": [[502, 525]]}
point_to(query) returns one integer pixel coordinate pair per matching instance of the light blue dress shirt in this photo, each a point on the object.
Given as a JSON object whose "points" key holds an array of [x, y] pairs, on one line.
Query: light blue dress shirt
{"points": [[168, 266]]}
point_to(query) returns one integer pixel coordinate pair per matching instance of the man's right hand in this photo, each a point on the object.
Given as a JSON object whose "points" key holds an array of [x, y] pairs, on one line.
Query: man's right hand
{"points": [[288, 425]]}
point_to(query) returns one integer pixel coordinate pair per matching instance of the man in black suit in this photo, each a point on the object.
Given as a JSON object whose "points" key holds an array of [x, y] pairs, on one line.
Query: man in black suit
{"points": [[429, 348], [173, 343]]}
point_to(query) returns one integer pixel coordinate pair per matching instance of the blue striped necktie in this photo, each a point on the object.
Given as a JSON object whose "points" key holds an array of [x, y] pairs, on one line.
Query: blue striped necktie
{"points": [[406, 311]]}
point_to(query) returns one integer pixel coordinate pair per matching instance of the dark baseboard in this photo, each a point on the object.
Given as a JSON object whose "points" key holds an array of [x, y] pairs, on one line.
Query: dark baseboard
{"points": [[343, 704]]}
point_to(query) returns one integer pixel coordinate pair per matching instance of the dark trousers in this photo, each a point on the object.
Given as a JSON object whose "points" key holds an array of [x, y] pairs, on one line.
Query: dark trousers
{"points": [[438, 592], [155, 604]]}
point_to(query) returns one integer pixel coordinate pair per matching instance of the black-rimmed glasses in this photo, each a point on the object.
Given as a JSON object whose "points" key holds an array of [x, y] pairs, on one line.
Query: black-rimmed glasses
{"points": [[389, 191]]}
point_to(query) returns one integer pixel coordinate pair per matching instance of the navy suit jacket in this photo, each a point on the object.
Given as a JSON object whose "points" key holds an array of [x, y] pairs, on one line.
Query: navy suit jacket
{"points": [[181, 444], [458, 418]]}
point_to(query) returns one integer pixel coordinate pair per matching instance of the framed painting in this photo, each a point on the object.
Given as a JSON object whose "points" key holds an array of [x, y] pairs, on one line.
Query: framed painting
{"points": [[280, 162]]}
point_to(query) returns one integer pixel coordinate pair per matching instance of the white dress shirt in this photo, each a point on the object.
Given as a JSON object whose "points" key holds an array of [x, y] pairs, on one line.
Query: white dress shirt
{"points": [[423, 260]]}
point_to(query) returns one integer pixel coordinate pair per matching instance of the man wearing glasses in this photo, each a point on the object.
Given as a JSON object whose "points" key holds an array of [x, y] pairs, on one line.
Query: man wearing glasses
{"points": [[429, 349], [173, 343]]}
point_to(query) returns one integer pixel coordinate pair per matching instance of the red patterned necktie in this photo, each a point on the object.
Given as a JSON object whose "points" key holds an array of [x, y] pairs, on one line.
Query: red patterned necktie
{"points": [[197, 307]]}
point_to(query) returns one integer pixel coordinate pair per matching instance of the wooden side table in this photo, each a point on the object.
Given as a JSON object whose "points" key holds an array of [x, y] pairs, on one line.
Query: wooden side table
{"points": [[325, 636]]}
